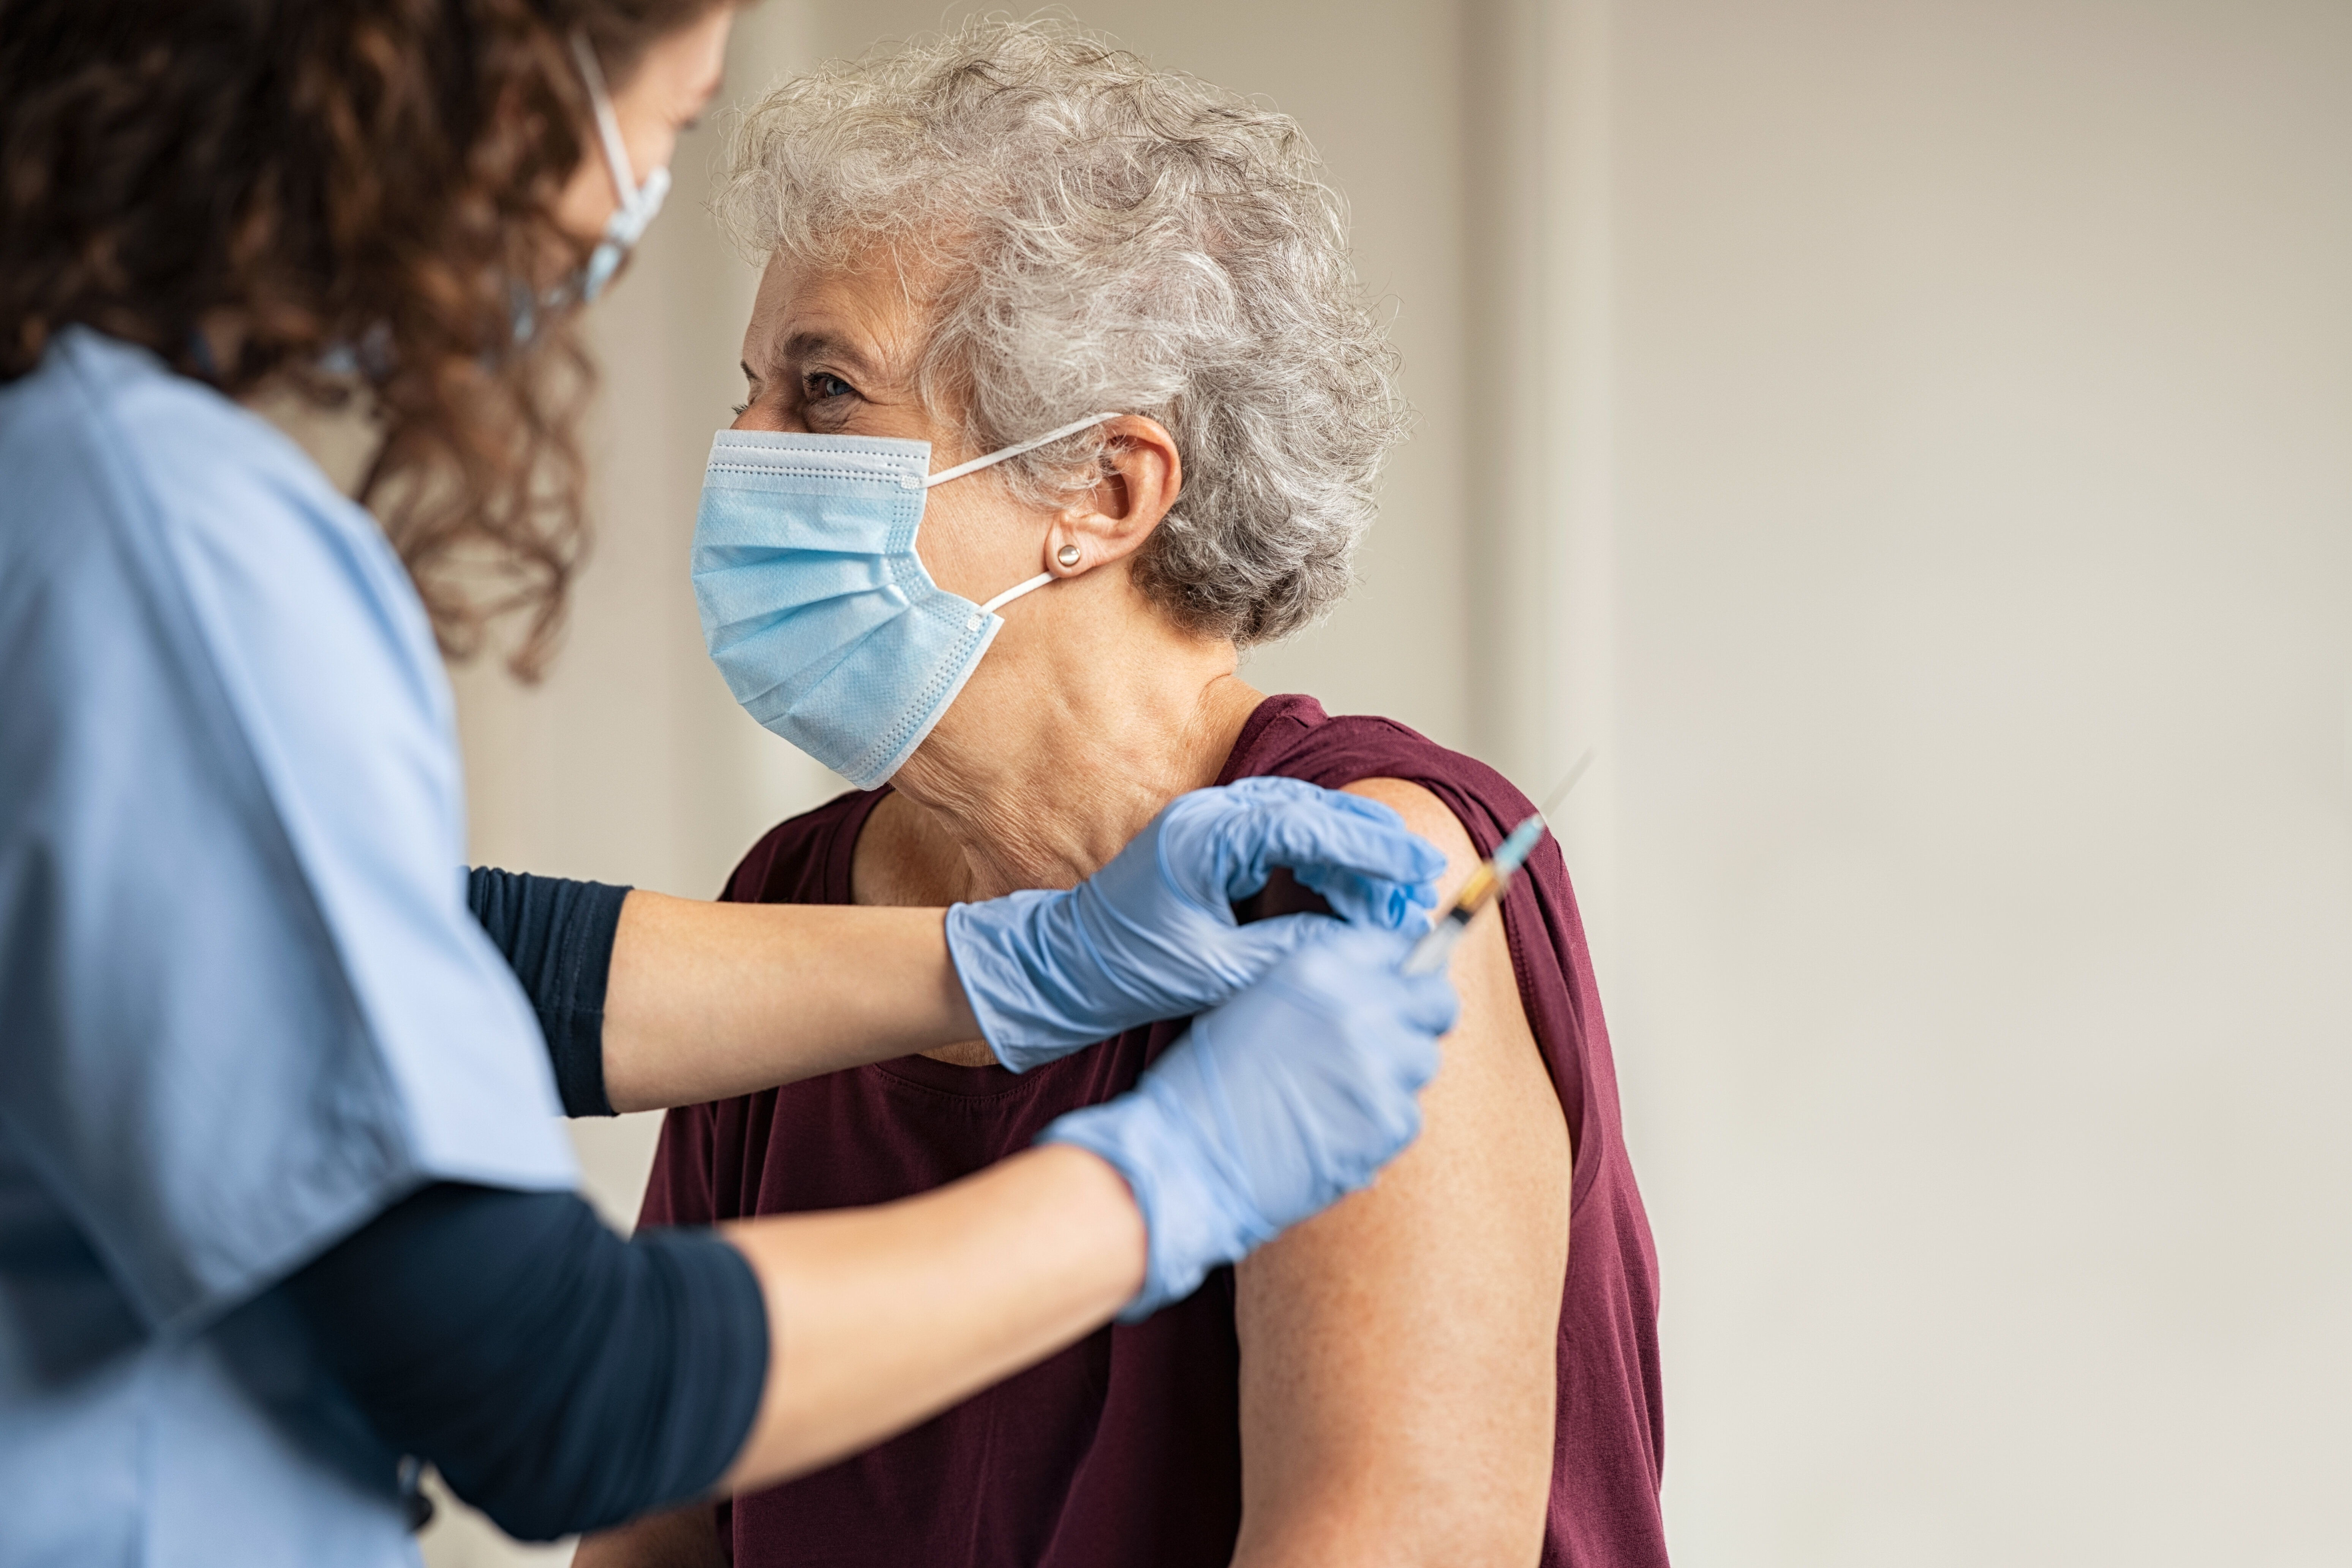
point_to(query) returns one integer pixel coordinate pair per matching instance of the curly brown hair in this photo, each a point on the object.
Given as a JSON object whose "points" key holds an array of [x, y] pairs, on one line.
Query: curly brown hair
{"points": [[349, 196]]}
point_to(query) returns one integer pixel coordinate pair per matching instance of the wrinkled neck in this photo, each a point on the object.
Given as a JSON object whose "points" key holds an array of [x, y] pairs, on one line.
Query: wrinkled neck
{"points": [[1056, 755]]}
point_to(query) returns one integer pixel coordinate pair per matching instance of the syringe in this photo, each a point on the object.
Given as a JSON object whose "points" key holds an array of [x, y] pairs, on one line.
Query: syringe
{"points": [[1489, 882]]}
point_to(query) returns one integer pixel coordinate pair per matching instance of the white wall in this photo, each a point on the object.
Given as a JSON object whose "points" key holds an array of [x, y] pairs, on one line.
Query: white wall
{"points": [[1984, 980], [1911, 440]]}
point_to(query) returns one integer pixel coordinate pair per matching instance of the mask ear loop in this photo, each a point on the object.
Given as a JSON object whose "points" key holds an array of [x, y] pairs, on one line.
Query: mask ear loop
{"points": [[636, 203], [608, 124], [1072, 428], [961, 470], [1005, 598]]}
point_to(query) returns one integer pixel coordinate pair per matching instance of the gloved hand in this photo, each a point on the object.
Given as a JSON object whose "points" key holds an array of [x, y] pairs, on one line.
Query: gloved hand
{"points": [[1277, 1104], [1153, 934]]}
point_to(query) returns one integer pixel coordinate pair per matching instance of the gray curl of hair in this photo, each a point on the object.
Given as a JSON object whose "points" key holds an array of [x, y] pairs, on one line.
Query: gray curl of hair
{"points": [[1106, 236]]}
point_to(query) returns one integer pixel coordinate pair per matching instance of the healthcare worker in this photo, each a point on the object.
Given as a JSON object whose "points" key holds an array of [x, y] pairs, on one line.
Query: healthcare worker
{"points": [[283, 1215]]}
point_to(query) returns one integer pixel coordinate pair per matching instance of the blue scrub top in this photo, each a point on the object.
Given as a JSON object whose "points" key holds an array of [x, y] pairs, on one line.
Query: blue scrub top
{"points": [[243, 1007]]}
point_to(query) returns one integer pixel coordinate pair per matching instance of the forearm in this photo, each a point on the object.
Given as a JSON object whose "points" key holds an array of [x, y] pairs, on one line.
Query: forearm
{"points": [[563, 1379], [649, 1001], [707, 1000], [881, 1317]]}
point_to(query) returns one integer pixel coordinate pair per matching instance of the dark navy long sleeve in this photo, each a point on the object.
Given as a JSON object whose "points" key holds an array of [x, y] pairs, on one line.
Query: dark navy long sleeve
{"points": [[560, 1378], [557, 935]]}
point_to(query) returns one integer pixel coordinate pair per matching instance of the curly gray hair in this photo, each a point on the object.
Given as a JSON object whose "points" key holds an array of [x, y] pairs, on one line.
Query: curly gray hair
{"points": [[1108, 236]]}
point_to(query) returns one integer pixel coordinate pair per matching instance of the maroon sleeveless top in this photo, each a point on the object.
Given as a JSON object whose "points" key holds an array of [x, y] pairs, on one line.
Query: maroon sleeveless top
{"points": [[1123, 1451]]}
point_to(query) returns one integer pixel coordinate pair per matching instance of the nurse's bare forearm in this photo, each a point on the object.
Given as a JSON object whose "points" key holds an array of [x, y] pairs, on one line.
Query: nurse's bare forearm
{"points": [[706, 1001], [879, 1318]]}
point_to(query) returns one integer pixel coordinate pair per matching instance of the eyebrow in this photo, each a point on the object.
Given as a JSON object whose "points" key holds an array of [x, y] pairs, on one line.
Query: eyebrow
{"points": [[802, 347]]}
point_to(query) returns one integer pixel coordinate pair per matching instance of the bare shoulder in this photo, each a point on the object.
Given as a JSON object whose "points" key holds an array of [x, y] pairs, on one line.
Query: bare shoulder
{"points": [[1494, 1030], [1429, 817]]}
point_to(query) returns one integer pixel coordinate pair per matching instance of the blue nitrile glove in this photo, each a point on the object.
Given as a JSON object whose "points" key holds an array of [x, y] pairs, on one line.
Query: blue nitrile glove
{"points": [[1153, 934], [1287, 1098]]}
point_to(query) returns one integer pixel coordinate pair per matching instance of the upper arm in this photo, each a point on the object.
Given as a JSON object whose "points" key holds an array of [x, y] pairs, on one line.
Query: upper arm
{"points": [[1397, 1351]]}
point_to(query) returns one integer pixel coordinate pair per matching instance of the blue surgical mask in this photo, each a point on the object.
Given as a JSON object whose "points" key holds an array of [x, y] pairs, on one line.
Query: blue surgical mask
{"points": [[638, 203], [815, 604]]}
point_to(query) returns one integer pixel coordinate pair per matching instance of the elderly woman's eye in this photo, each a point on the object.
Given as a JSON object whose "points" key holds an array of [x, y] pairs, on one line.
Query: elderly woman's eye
{"points": [[821, 385]]}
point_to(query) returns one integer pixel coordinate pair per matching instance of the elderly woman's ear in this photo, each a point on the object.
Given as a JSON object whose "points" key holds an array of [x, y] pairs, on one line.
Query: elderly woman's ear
{"points": [[1141, 479]]}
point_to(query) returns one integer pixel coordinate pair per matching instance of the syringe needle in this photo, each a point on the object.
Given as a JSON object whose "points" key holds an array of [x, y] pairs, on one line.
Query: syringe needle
{"points": [[1489, 881], [1559, 791]]}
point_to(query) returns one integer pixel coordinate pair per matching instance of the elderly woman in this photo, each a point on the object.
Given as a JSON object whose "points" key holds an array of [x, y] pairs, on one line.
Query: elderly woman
{"points": [[973, 242]]}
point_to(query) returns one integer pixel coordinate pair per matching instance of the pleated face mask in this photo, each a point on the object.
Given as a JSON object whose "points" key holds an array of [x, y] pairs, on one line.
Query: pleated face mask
{"points": [[815, 604]]}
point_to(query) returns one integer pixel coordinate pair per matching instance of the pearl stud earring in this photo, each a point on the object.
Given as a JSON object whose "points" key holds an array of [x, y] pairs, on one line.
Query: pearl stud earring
{"points": [[1068, 555]]}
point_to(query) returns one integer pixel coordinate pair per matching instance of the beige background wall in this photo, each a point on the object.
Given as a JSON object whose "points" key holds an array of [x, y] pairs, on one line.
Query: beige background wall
{"points": [[1910, 439]]}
